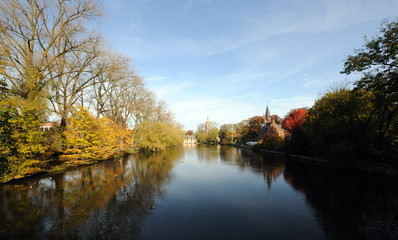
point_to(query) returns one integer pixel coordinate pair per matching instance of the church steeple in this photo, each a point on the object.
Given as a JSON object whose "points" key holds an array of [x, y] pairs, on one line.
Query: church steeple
{"points": [[267, 115], [207, 126]]}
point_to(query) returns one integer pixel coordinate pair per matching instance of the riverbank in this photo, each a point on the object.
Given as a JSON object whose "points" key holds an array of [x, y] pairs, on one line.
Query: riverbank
{"points": [[384, 168], [54, 165], [41, 167]]}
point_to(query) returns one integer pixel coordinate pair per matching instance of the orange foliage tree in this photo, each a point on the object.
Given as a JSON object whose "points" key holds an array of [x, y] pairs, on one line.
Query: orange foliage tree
{"points": [[91, 139], [294, 119]]}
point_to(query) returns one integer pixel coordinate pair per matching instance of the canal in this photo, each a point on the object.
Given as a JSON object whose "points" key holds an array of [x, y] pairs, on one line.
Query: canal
{"points": [[204, 192]]}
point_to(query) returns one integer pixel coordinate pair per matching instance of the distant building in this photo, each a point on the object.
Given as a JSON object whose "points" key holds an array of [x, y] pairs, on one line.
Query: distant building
{"points": [[48, 126], [269, 127], [207, 125]]}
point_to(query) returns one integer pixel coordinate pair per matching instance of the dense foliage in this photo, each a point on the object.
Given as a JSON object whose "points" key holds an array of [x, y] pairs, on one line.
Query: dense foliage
{"points": [[52, 63], [362, 122], [89, 138], [341, 124], [295, 118], [344, 123], [228, 134], [154, 136], [209, 134]]}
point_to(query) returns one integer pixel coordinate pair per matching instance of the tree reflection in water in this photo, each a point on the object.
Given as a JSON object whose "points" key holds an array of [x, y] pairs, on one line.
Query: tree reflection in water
{"points": [[106, 200], [113, 199], [270, 167], [348, 204]]}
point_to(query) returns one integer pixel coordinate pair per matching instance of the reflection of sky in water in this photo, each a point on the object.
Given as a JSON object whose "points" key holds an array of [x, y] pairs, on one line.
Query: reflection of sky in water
{"points": [[47, 183], [214, 194], [202, 192]]}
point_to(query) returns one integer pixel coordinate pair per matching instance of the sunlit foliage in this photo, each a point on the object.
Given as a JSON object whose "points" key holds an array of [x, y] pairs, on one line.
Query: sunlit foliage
{"points": [[90, 138], [209, 136], [52, 61], [226, 133], [22, 142], [295, 118], [155, 136]]}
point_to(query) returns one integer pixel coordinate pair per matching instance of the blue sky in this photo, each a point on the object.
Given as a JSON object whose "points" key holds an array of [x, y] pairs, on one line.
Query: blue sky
{"points": [[227, 59]]}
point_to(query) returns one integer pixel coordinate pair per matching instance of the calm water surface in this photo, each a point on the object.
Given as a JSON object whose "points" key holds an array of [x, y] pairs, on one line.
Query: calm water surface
{"points": [[205, 192]]}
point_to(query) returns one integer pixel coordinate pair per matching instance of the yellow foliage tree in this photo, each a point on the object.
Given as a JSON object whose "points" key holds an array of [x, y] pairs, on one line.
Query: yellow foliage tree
{"points": [[155, 136], [91, 139], [21, 142]]}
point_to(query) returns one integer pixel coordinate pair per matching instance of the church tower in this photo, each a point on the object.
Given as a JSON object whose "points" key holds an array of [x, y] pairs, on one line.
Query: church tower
{"points": [[267, 116], [207, 126]]}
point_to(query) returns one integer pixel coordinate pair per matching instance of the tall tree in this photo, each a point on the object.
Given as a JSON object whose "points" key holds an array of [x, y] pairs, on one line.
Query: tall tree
{"points": [[378, 62], [252, 128], [73, 73], [341, 123], [30, 31]]}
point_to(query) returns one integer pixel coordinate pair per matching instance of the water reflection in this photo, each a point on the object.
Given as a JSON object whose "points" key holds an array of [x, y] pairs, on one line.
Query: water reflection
{"points": [[202, 192], [348, 204], [270, 167], [110, 199]]}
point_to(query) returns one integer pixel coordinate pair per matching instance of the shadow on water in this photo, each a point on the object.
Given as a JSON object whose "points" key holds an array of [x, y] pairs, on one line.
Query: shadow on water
{"points": [[106, 200], [269, 166], [113, 199], [348, 204]]}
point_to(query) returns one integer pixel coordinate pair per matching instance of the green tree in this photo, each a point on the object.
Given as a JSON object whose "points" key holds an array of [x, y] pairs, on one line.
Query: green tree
{"points": [[155, 136], [340, 124], [209, 136], [378, 62], [226, 133], [201, 136], [22, 143], [212, 135]]}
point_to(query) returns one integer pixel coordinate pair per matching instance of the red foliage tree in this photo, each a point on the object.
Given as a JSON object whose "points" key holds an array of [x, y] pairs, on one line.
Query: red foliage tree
{"points": [[294, 119]]}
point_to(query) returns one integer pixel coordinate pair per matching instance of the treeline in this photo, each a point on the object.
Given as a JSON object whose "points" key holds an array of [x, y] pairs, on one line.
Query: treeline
{"points": [[54, 63], [358, 122], [235, 133]]}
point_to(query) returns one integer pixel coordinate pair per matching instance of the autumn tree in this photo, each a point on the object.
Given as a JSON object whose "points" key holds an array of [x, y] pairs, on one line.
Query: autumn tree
{"points": [[189, 132], [30, 31], [155, 136], [226, 133], [295, 118], [22, 142], [251, 128], [90, 139]]}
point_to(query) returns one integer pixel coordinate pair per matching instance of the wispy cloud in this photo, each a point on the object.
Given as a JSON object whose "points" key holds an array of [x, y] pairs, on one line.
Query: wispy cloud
{"points": [[210, 58], [270, 19], [151, 79]]}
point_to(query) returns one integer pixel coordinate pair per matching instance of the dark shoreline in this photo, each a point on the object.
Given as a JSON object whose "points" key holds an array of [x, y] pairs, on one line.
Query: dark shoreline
{"points": [[62, 168], [384, 168]]}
